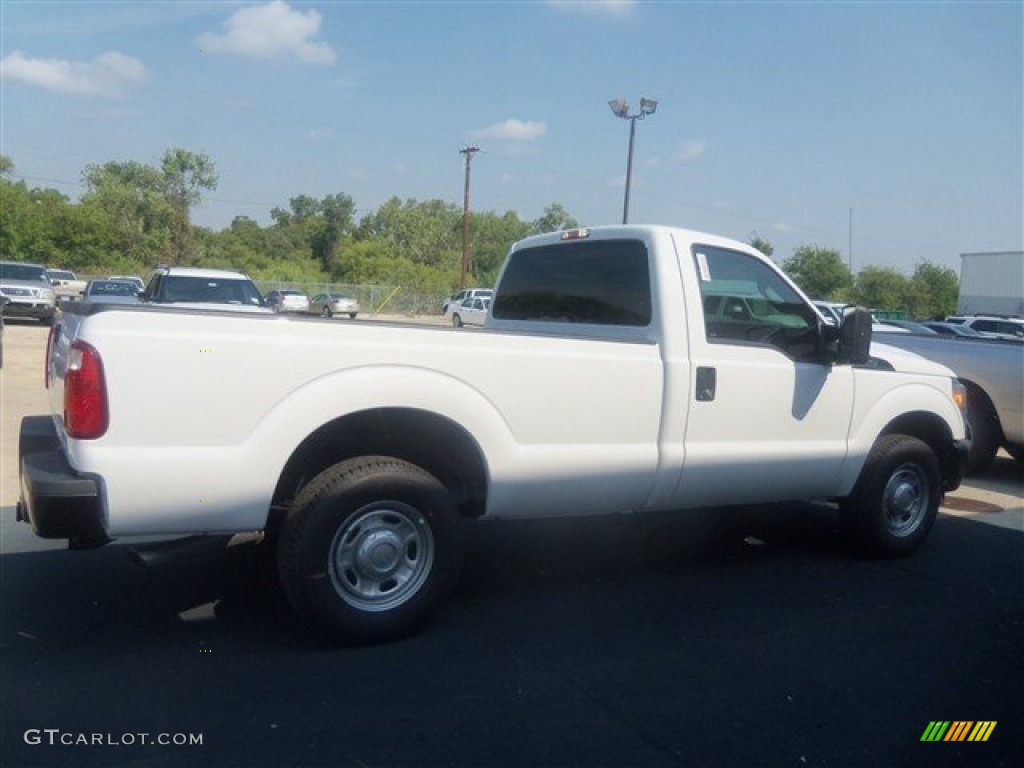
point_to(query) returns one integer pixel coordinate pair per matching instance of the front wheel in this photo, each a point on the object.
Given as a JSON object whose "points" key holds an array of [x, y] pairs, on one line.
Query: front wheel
{"points": [[369, 548], [895, 502], [456, 321]]}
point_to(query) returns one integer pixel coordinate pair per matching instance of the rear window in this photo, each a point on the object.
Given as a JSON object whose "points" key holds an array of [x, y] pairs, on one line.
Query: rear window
{"points": [[602, 282]]}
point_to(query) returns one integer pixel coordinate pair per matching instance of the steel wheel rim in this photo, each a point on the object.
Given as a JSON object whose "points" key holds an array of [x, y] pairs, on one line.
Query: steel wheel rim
{"points": [[906, 499], [382, 556]]}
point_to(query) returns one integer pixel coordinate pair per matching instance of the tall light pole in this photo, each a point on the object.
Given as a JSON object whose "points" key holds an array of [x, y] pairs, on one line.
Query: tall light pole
{"points": [[621, 109], [468, 152]]}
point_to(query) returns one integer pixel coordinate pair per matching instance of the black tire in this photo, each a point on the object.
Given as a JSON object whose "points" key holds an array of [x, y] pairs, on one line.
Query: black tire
{"points": [[369, 548], [456, 321], [896, 499], [352, 315], [326, 312], [983, 431]]}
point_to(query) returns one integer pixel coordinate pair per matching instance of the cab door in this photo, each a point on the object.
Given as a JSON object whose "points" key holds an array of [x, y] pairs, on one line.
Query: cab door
{"points": [[769, 417]]}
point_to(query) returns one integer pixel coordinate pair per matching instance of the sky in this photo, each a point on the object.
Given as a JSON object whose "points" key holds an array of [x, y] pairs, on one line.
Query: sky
{"points": [[892, 132]]}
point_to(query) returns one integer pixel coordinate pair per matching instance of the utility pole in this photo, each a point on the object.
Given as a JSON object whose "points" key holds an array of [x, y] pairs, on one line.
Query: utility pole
{"points": [[468, 152], [850, 252]]}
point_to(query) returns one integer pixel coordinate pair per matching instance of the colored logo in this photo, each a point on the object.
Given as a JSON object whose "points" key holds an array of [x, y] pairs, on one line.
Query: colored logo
{"points": [[958, 730]]}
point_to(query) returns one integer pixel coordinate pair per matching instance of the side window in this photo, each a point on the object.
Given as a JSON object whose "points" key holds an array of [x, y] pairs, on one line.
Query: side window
{"points": [[153, 286], [745, 301], [600, 282]]}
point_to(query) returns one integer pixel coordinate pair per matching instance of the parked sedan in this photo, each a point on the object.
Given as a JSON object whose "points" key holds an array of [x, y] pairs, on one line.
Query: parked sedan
{"points": [[111, 292], [955, 331], [287, 300], [331, 304], [470, 312]]}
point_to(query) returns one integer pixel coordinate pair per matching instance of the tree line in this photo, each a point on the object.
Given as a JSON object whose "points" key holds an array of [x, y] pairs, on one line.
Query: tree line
{"points": [[133, 216]]}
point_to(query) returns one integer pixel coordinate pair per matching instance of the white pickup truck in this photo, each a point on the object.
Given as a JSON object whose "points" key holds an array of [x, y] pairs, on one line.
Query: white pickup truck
{"points": [[621, 369]]}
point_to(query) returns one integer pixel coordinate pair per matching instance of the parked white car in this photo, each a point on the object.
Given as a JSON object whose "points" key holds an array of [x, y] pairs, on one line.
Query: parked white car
{"points": [[470, 312], [194, 288], [287, 300], [468, 293]]}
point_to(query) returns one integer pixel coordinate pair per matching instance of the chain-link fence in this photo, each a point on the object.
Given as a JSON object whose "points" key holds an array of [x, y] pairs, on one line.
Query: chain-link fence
{"points": [[375, 299]]}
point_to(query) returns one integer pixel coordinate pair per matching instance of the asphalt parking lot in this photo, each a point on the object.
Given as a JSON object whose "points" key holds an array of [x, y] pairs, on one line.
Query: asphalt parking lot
{"points": [[749, 637]]}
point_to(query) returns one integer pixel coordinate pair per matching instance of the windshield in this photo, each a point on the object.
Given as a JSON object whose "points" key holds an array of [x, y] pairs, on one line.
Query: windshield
{"points": [[210, 290], [22, 272], [111, 288]]}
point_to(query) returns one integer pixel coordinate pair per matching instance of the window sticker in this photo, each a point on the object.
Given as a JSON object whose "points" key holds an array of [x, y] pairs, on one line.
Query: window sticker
{"points": [[702, 268]]}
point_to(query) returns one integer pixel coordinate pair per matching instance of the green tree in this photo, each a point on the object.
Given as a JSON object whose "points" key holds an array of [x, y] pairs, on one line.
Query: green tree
{"points": [[933, 291], [820, 273], [428, 232], [131, 197], [760, 244], [6, 165], [555, 218], [881, 288], [185, 175], [334, 223]]}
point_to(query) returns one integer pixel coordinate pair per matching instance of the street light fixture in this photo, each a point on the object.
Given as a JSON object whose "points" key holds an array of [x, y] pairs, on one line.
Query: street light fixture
{"points": [[620, 108]]}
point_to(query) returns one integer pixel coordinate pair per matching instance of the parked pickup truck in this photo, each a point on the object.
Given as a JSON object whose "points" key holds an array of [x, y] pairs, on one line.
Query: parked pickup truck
{"points": [[993, 372], [608, 379]]}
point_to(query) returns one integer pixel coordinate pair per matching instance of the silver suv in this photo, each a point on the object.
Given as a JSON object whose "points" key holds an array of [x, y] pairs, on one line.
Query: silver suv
{"points": [[28, 291], [1000, 327]]}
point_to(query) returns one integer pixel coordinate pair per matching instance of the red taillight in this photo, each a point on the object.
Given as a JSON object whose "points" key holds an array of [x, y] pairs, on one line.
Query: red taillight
{"points": [[85, 393]]}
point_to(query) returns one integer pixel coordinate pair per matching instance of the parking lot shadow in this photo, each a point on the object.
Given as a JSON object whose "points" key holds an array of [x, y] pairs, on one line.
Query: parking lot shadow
{"points": [[753, 637]]}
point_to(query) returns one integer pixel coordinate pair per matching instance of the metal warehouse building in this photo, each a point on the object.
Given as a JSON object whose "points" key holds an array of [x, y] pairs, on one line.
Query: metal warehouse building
{"points": [[991, 284]]}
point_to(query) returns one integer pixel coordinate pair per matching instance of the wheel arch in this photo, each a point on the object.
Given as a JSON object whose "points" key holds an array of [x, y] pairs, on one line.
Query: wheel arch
{"points": [[429, 440], [935, 432], [915, 410]]}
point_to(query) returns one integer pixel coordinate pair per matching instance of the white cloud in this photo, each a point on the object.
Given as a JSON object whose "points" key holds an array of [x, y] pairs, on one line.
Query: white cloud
{"points": [[109, 75], [783, 228], [512, 130], [602, 7], [691, 150], [270, 31], [316, 134]]}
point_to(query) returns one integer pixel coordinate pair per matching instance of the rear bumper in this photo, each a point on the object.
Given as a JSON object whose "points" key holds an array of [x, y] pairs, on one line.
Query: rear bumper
{"points": [[40, 310], [59, 502]]}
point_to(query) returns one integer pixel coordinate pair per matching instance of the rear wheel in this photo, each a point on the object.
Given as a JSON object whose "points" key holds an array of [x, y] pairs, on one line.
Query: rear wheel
{"points": [[369, 548], [895, 502], [456, 321]]}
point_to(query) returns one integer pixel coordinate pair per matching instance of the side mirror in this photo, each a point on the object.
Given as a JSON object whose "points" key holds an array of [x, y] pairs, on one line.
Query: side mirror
{"points": [[854, 337]]}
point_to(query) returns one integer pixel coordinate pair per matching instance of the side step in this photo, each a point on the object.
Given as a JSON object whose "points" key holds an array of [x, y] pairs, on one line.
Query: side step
{"points": [[162, 552]]}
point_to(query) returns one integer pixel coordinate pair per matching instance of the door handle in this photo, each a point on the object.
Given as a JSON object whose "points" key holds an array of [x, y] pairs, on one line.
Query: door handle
{"points": [[707, 380]]}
